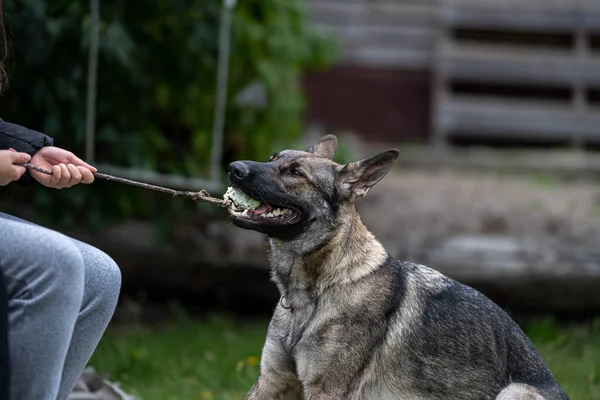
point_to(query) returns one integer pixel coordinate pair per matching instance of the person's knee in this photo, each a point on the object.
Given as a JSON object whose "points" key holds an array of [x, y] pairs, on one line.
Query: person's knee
{"points": [[64, 272], [112, 278], [103, 278]]}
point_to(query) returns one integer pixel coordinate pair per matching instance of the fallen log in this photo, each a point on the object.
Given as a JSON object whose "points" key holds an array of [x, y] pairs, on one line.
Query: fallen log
{"points": [[226, 266], [533, 273]]}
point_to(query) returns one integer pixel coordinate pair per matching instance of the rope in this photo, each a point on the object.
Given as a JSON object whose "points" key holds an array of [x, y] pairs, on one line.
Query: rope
{"points": [[196, 196]]}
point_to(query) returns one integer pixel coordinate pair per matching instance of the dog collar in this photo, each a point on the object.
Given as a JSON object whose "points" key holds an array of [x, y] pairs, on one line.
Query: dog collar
{"points": [[281, 302]]}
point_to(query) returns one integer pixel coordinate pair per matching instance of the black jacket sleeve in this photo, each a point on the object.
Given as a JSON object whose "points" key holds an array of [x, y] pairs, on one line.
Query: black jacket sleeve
{"points": [[23, 140]]}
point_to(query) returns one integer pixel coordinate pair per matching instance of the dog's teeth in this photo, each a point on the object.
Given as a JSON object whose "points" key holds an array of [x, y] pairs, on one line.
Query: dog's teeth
{"points": [[269, 215], [245, 213]]}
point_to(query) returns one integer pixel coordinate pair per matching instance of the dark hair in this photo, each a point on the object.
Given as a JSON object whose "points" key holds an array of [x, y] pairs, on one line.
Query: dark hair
{"points": [[4, 50]]}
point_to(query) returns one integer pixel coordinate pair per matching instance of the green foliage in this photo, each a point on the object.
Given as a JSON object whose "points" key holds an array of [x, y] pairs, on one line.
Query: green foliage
{"points": [[156, 85]]}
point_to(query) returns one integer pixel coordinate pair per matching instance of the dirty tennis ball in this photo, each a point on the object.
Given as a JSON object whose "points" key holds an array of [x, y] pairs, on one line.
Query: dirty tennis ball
{"points": [[240, 198]]}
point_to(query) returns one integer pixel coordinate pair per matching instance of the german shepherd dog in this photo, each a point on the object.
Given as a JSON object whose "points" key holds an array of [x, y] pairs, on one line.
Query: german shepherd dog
{"points": [[354, 323]]}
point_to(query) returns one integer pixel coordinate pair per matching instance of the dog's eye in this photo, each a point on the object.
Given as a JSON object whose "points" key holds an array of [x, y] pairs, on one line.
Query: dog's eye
{"points": [[295, 171]]}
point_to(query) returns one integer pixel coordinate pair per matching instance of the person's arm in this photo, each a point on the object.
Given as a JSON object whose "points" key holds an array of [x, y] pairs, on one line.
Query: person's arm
{"points": [[22, 140], [67, 169]]}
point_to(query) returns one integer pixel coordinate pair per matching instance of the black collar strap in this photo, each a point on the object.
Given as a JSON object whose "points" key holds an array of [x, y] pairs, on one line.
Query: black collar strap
{"points": [[282, 303]]}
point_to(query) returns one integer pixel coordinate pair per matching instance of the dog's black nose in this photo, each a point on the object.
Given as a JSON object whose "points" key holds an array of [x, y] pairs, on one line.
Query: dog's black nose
{"points": [[239, 170]]}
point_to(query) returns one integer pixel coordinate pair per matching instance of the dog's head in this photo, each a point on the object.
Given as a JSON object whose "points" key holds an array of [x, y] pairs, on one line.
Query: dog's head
{"points": [[300, 193]]}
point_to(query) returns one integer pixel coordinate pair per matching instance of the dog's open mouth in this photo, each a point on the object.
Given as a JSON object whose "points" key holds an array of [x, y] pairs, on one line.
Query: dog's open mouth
{"points": [[242, 206]]}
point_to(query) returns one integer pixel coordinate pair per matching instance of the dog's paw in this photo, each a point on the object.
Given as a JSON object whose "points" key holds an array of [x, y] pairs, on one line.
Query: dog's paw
{"points": [[518, 391]]}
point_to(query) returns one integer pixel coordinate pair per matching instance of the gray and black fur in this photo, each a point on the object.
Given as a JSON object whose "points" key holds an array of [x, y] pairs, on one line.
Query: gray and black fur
{"points": [[353, 323]]}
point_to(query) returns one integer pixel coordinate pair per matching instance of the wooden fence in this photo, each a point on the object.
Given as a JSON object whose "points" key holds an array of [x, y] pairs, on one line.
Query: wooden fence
{"points": [[384, 33], [503, 70]]}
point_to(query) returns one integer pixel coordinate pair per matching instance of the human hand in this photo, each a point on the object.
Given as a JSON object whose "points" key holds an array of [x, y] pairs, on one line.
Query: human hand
{"points": [[67, 169], [9, 172]]}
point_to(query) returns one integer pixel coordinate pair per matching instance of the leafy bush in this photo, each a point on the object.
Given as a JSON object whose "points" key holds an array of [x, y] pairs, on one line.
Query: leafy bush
{"points": [[156, 85]]}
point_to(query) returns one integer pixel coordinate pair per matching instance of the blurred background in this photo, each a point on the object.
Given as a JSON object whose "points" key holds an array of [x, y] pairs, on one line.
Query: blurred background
{"points": [[495, 106]]}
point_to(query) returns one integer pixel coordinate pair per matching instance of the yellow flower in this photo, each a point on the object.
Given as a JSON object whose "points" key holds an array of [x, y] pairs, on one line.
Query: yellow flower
{"points": [[252, 361], [207, 394]]}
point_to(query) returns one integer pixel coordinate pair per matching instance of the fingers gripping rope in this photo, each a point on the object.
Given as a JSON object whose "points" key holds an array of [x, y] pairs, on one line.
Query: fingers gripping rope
{"points": [[197, 196]]}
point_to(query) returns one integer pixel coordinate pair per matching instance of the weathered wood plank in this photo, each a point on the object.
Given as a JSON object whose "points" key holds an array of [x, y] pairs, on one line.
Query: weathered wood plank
{"points": [[513, 119], [591, 71], [560, 163], [516, 6], [386, 58], [380, 14], [507, 64], [392, 38], [516, 65], [513, 14], [590, 15], [403, 2], [385, 34]]}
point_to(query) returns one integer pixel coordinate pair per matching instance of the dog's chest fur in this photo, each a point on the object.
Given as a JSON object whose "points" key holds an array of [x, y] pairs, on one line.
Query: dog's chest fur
{"points": [[299, 297], [313, 320], [313, 286]]}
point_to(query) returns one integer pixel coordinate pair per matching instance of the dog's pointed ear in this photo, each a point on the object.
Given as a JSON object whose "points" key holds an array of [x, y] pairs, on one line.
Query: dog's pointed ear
{"points": [[357, 178], [325, 147]]}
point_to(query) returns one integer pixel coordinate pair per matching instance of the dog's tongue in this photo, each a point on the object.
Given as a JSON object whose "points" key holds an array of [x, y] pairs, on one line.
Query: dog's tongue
{"points": [[263, 208]]}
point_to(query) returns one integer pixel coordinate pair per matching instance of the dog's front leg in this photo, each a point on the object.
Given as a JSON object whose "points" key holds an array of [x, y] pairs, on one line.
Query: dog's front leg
{"points": [[328, 381], [333, 370], [320, 392], [267, 389], [277, 380]]}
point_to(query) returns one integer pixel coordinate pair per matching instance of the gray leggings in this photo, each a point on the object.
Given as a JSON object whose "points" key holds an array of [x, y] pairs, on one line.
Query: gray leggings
{"points": [[62, 294]]}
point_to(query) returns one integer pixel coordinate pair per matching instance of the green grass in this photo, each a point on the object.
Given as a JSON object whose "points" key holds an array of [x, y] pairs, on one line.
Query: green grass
{"points": [[218, 359], [214, 359], [573, 355]]}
